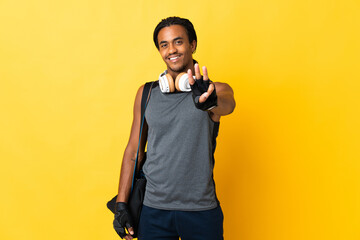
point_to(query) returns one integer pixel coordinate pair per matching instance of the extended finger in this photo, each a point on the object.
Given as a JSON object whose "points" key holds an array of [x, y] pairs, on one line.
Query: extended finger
{"points": [[190, 77], [197, 71], [205, 73]]}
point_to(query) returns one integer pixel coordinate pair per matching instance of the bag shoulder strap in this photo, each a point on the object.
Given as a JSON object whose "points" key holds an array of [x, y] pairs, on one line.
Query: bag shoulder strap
{"points": [[144, 97], [144, 101]]}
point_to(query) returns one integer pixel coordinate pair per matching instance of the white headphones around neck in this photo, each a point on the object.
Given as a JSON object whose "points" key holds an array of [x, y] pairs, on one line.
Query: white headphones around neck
{"points": [[168, 85]]}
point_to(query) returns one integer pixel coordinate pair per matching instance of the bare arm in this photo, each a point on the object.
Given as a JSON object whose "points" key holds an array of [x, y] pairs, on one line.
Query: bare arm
{"points": [[225, 101], [127, 166]]}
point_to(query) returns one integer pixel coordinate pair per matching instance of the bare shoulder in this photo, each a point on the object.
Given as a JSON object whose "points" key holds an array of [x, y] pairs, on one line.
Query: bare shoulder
{"points": [[139, 95], [140, 90]]}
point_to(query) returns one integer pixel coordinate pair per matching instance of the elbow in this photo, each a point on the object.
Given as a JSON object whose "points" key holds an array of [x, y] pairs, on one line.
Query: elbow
{"points": [[232, 106], [129, 154]]}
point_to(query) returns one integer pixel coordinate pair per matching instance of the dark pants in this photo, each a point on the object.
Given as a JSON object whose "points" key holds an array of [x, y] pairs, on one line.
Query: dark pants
{"points": [[158, 224]]}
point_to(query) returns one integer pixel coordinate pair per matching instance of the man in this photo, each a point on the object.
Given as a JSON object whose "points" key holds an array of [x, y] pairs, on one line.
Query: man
{"points": [[181, 130]]}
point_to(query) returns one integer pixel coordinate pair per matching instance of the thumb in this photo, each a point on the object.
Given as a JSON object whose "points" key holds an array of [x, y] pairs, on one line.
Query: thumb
{"points": [[205, 95], [130, 228]]}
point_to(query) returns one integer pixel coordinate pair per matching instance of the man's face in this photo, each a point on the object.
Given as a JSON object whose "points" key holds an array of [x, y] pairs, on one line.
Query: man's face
{"points": [[175, 49]]}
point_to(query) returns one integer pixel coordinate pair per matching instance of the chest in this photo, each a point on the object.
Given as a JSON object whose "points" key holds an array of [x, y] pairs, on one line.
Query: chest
{"points": [[175, 110]]}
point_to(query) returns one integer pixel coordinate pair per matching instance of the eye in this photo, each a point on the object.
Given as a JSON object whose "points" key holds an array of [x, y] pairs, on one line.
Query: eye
{"points": [[164, 45], [178, 42]]}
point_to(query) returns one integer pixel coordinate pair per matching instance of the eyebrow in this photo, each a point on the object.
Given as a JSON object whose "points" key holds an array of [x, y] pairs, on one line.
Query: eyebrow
{"points": [[173, 40]]}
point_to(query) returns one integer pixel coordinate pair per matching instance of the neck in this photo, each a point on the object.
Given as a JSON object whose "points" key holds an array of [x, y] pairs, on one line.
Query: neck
{"points": [[174, 74]]}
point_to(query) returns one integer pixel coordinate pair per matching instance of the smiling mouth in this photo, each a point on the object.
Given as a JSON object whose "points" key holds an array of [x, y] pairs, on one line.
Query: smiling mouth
{"points": [[174, 58]]}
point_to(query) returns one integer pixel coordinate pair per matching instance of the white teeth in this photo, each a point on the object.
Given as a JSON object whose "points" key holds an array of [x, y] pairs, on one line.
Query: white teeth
{"points": [[174, 58]]}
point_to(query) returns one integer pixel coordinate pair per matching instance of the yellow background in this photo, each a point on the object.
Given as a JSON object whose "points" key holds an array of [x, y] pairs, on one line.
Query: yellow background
{"points": [[287, 162]]}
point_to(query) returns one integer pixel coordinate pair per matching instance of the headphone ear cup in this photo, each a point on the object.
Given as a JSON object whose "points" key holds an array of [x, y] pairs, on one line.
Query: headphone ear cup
{"points": [[182, 82], [166, 83], [170, 81]]}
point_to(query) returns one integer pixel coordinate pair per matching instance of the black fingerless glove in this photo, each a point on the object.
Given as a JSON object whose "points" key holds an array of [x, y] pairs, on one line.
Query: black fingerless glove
{"points": [[122, 219], [198, 88]]}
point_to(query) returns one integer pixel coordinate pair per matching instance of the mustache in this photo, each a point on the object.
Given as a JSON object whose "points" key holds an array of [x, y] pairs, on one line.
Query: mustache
{"points": [[173, 55]]}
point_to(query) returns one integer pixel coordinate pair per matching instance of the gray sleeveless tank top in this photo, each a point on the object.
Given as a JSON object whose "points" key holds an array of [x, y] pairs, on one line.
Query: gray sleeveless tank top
{"points": [[180, 161]]}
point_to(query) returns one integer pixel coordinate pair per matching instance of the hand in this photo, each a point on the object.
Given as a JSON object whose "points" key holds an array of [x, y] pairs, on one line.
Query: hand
{"points": [[123, 219], [203, 90]]}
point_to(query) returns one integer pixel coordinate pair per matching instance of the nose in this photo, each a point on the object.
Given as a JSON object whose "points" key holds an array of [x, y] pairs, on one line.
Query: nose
{"points": [[172, 49]]}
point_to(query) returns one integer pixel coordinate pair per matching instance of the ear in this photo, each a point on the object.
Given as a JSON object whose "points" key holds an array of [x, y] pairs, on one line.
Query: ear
{"points": [[193, 46]]}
